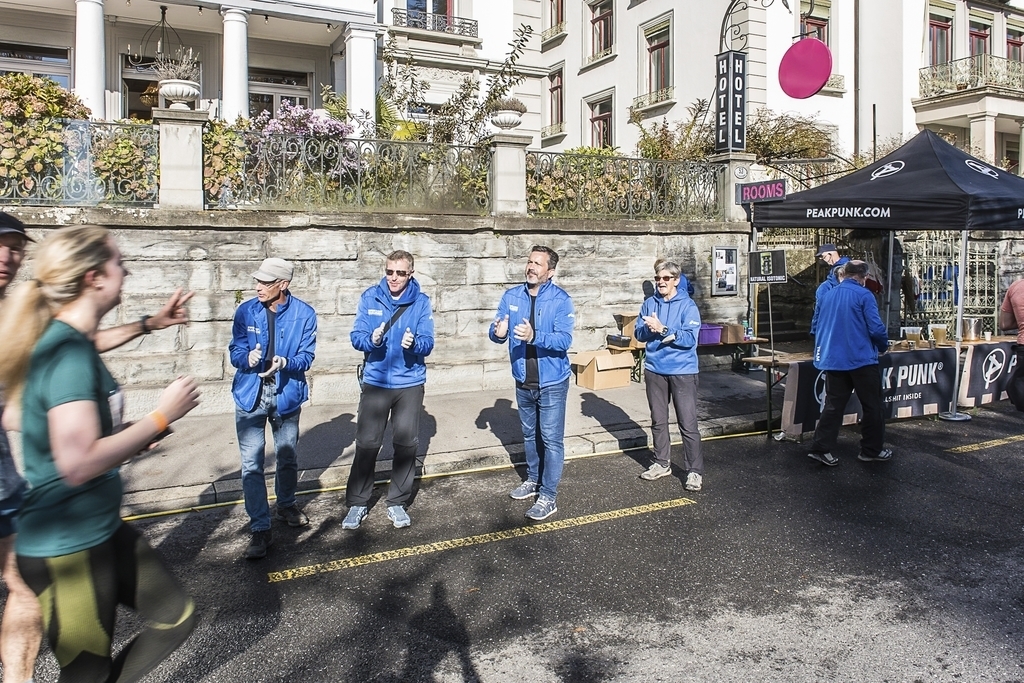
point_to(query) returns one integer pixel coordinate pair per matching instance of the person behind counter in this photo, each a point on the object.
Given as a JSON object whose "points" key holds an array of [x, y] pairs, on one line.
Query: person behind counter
{"points": [[1011, 317], [850, 336]]}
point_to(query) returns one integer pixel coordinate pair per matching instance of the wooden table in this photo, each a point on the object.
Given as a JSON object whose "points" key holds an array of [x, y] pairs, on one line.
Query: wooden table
{"points": [[771, 365]]}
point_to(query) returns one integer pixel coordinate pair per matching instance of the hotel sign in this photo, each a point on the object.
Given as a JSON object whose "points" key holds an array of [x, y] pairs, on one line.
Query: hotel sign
{"points": [[731, 102]]}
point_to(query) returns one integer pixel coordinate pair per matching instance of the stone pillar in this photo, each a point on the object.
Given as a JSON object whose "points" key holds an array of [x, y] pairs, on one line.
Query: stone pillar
{"points": [[90, 56], [508, 174], [360, 70], [181, 158], [235, 78], [983, 135], [737, 170]]}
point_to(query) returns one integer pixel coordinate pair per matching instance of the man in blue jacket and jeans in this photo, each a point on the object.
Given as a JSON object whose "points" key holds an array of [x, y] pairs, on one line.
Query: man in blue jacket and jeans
{"points": [[540, 317], [850, 336], [394, 329], [273, 342]]}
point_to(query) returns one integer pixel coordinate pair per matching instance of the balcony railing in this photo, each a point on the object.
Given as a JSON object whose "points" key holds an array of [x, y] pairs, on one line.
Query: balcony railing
{"points": [[441, 23], [979, 71], [653, 98], [79, 163], [301, 173], [599, 186], [600, 55], [553, 32], [553, 129]]}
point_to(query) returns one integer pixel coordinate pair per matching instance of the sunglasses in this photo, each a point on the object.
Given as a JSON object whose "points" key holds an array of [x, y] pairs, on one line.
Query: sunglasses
{"points": [[665, 278], [266, 283], [399, 273]]}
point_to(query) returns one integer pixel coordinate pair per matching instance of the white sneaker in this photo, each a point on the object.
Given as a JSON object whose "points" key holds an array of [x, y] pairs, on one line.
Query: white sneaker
{"points": [[656, 471], [694, 481]]}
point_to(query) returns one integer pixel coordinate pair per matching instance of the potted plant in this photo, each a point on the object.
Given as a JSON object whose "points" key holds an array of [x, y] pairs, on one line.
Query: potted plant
{"points": [[507, 112], [179, 77]]}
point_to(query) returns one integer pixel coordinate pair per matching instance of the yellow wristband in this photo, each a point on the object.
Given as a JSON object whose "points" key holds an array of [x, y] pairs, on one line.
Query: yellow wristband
{"points": [[160, 420]]}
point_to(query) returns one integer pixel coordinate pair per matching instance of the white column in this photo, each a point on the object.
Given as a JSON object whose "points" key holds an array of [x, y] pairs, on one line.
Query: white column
{"points": [[360, 69], [235, 77], [983, 135], [90, 56]]}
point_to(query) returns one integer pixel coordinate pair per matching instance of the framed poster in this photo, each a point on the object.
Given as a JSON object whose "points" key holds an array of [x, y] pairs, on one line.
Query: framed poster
{"points": [[725, 272]]}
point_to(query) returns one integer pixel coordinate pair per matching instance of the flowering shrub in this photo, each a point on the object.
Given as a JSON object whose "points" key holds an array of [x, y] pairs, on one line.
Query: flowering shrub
{"points": [[304, 158], [31, 134]]}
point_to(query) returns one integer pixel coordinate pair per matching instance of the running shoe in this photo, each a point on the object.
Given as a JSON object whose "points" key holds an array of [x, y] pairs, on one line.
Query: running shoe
{"points": [[356, 515]]}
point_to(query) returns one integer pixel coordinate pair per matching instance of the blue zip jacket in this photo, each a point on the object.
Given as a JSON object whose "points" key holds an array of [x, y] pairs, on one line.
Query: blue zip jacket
{"points": [[295, 328], [389, 366], [850, 331], [830, 282], [675, 352], [552, 335]]}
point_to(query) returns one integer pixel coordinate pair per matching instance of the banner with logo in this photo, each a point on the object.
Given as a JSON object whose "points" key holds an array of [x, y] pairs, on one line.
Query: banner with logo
{"points": [[914, 383], [987, 372]]}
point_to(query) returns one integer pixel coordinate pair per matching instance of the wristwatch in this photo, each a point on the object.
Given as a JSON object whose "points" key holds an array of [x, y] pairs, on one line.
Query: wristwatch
{"points": [[143, 325]]}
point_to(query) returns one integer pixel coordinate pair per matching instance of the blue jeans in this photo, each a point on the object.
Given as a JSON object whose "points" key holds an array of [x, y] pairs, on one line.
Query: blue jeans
{"points": [[545, 448], [252, 442]]}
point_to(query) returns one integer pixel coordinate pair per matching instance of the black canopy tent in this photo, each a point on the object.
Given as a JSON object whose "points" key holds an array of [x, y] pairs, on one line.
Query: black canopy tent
{"points": [[927, 184]]}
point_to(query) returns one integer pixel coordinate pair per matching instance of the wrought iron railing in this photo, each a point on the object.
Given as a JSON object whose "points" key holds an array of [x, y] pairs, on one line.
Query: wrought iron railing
{"points": [[979, 71], [295, 172], [79, 163], [549, 33], [600, 186], [600, 54], [553, 129], [652, 98], [427, 21]]}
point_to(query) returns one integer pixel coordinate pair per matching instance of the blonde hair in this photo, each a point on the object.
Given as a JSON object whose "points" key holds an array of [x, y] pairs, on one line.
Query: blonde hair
{"points": [[60, 264]]}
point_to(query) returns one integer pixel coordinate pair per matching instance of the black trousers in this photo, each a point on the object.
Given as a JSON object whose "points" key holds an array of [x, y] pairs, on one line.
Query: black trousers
{"points": [[376, 406], [839, 384], [79, 595]]}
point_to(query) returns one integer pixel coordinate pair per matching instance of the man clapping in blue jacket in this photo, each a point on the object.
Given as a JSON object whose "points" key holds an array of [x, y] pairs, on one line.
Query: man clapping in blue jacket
{"points": [[850, 336], [394, 329], [273, 342], [537, 320]]}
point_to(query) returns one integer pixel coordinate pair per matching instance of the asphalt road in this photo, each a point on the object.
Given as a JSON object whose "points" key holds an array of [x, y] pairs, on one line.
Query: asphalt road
{"points": [[779, 570]]}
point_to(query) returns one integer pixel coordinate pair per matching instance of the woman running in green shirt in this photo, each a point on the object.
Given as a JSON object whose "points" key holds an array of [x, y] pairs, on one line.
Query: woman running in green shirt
{"points": [[73, 550]]}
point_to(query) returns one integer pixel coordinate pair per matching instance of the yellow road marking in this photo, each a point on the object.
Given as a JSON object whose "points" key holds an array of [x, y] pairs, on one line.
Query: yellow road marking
{"points": [[451, 544], [986, 444]]}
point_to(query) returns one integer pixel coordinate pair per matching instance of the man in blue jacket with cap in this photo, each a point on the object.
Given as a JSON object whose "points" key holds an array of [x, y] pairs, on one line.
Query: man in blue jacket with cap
{"points": [[831, 257], [273, 342], [851, 334]]}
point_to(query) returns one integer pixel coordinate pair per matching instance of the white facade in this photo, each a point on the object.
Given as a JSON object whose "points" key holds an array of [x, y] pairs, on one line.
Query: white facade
{"points": [[881, 51], [86, 44]]}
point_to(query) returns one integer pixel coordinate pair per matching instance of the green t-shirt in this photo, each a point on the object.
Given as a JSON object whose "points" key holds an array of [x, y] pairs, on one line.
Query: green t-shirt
{"points": [[58, 519]]}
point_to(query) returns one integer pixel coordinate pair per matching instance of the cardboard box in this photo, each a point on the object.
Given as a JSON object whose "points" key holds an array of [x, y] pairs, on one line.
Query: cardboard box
{"points": [[732, 334], [627, 321], [602, 369]]}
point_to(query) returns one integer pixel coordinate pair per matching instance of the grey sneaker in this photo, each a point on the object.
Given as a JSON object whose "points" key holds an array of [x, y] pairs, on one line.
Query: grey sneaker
{"points": [[258, 544], [292, 516], [542, 509], [398, 516], [694, 481], [884, 455], [356, 515], [656, 471], [825, 458], [528, 489]]}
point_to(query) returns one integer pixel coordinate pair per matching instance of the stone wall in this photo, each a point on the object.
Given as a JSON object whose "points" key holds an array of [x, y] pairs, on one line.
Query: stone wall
{"points": [[463, 264]]}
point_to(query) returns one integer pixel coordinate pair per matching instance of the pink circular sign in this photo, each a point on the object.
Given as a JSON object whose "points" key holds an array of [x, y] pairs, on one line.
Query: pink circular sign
{"points": [[805, 68]]}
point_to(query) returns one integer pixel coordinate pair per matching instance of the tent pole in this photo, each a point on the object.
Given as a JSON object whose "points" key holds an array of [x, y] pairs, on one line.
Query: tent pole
{"points": [[888, 286], [953, 415]]}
